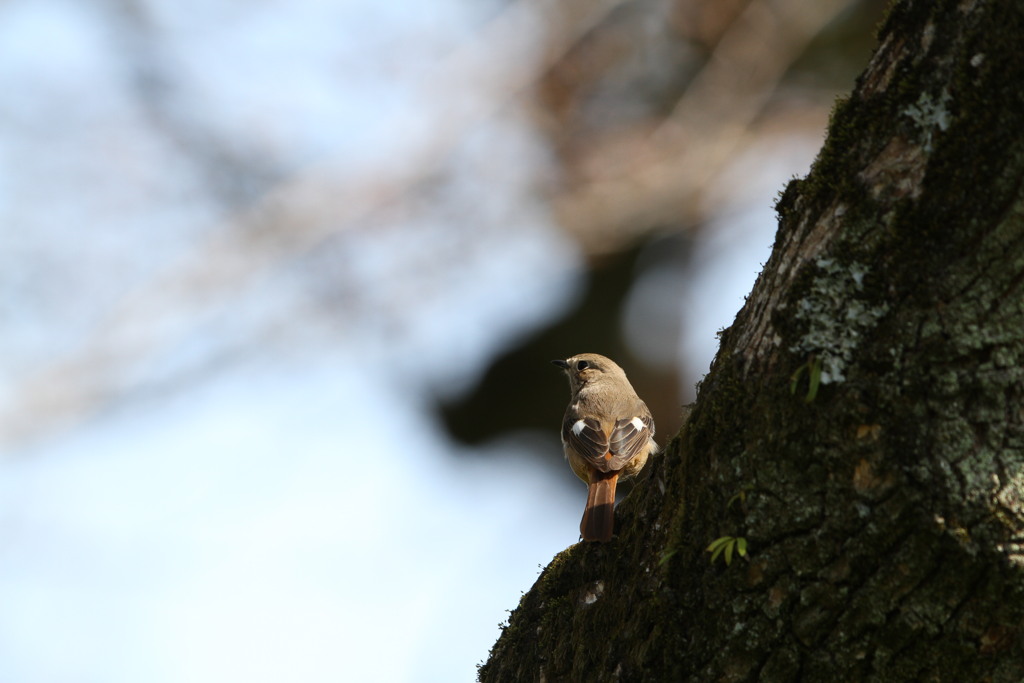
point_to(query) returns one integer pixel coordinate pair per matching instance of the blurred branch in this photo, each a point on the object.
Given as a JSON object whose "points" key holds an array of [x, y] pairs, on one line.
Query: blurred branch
{"points": [[622, 187], [476, 82], [633, 184], [231, 176]]}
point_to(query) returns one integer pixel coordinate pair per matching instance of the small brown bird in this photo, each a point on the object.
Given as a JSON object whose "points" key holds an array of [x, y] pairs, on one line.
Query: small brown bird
{"points": [[607, 434]]}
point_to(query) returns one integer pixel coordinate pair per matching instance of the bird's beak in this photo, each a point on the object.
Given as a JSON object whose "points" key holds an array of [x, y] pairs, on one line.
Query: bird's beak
{"points": [[561, 363]]}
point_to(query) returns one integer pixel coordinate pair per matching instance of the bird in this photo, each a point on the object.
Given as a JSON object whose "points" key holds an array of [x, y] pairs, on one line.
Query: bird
{"points": [[607, 436]]}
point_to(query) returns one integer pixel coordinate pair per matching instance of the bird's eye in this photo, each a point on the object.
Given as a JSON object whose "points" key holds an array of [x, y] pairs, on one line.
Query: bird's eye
{"points": [[582, 365]]}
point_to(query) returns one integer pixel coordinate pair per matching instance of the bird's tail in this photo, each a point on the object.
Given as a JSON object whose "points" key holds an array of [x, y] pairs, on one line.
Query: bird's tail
{"points": [[599, 515]]}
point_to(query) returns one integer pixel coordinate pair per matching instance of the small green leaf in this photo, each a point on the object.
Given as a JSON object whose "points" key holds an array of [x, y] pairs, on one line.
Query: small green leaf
{"points": [[718, 551], [666, 557], [794, 379], [813, 369], [815, 380], [718, 543], [741, 496], [727, 545]]}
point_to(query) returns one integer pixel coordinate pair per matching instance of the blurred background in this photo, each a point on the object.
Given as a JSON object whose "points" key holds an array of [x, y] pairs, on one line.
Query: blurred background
{"points": [[279, 285]]}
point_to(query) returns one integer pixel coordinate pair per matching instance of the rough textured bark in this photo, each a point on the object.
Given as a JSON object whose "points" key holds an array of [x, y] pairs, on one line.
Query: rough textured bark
{"points": [[883, 513]]}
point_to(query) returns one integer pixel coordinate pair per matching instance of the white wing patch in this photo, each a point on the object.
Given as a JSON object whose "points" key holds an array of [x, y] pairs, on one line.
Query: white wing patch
{"points": [[638, 423], [579, 427]]}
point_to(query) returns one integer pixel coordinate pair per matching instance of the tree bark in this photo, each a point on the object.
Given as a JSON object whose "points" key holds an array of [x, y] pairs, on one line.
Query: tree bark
{"points": [[862, 427]]}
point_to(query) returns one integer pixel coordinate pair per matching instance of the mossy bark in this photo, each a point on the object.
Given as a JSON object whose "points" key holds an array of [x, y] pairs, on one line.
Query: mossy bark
{"points": [[863, 424]]}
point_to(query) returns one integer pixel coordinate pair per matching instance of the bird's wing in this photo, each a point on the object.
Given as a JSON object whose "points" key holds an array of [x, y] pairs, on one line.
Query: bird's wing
{"points": [[586, 437], [629, 438]]}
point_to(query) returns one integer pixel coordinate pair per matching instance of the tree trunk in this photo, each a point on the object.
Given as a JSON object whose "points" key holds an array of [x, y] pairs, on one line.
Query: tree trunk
{"points": [[862, 428]]}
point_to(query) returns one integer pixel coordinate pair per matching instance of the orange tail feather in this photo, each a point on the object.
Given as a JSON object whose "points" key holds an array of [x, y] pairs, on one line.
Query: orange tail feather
{"points": [[599, 516]]}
